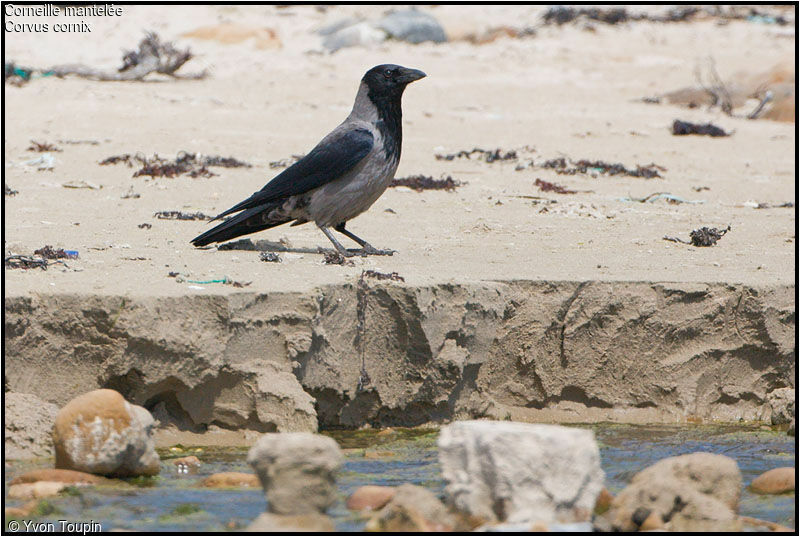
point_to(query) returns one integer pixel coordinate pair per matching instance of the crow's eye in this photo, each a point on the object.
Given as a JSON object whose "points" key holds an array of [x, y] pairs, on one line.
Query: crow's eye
{"points": [[388, 73]]}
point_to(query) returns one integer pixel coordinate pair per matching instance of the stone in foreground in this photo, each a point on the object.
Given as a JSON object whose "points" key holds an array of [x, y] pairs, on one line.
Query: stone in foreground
{"points": [[101, 433], [308, 522], [413, 509], [698, 492], [519, 472], [370, 497], [296, 471]]}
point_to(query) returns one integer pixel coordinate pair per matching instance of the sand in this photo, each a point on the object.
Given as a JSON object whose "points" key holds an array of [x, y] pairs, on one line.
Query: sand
{"points": [[565, 92]]}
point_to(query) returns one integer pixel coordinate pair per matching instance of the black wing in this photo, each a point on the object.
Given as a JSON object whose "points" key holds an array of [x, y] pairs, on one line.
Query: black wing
{"points": [[335, 155]]}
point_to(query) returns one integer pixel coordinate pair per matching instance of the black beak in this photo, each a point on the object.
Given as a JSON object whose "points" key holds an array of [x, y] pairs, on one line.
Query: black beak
{"points": [[410, 75]]}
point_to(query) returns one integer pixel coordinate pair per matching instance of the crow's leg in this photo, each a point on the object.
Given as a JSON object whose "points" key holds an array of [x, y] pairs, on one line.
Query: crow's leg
{"points": [[339, 248], [365, 246]]}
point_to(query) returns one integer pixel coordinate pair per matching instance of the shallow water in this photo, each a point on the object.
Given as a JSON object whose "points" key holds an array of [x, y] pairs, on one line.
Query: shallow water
{"points": [[173, 502]]}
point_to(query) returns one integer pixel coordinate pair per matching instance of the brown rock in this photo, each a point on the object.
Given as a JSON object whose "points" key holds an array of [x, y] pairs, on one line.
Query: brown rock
{"points": [[306, 522], [191, 460], [101, 433], [70, 477], [230, 479], [370, 497], [775, 481], [603, 502], [34, 491], [414, 509]]}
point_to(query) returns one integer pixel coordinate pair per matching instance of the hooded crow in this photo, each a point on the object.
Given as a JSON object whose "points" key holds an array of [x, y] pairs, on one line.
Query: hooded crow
{"points": [[341, 177]]}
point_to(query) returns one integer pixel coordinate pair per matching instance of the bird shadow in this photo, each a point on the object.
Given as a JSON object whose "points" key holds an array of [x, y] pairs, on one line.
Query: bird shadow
{"points": [[267, 246]]}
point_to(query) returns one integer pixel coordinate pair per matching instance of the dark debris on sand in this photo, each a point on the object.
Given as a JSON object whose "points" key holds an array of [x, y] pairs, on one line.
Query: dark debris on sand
{"points": [[48, 252], [332, 257], [682, 128], [25, 262], [547, 186], [179, 215], [395, 277], [270, 257], [487, 155], [560, 166], [8, 191], [702, 237], [42, 147], [426, 182], [185, 163], [563, 14], [285, 162]]}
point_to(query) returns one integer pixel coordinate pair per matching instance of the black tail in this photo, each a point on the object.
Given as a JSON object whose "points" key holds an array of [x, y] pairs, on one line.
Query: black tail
{"points": [[244, 223]]}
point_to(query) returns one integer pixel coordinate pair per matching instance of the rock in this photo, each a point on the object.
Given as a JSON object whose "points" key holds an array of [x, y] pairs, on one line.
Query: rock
{"points": [[370, 497], [412, 26], [101, 433], [698, 492], [186, 465], [307, 522], [603, 502], [519, 472], [781, 406], [708, 473], [296, 471], [28, 423], [230, 479], [775, 481], [359, 34], [412, 509], [39, 489], [791, 430], [70, 477]]}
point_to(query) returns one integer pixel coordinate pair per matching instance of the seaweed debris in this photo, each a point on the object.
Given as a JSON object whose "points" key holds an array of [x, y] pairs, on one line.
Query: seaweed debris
{"points": [[42, 147], [562, 15], [426, 182], [48, 252], [25, 262], [8, 191], [681, 128], [547, 186], [559, 165], [179, 215], [395, 277], [487, 155], [270, 257], [185, 163], [332, 257], [702, 237]]}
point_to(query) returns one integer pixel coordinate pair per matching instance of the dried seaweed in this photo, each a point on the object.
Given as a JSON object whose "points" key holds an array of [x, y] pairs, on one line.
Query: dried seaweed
{"points": [[42, 147], [702, 237], [332, 257], [682, 128], [426, 182], [382, 275], [270, 257], [562, 15], [48, 252], [547, 186], [285, 162], [486, 155], [152, 56], [145, 225], [25, 262], [179, 215], [185, 163], [8, 191], [559, 165]]}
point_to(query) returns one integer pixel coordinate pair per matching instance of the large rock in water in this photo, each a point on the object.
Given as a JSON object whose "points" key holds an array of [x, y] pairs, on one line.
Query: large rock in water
{"points": [[519, 472], [28, 424], [694, 492], [101, 433], [297, 471], [413, 509]]}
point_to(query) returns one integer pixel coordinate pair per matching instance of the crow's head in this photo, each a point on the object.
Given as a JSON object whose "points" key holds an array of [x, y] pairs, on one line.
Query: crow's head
{"points": [[390, 80]]}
